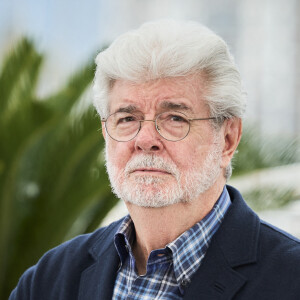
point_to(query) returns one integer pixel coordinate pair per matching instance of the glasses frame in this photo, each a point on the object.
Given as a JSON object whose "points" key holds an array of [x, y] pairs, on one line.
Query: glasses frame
{"points": [[156, 126]]}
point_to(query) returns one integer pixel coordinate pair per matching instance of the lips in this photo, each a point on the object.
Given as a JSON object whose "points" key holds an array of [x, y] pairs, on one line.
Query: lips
{"points": [[150, 165], [150, 170]]}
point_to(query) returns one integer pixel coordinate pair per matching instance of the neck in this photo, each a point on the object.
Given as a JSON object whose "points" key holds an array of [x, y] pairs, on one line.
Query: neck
{"points": [[157, 227]]}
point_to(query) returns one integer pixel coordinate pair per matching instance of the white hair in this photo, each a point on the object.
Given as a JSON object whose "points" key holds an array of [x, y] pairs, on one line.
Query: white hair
{"points": [[168, 48]]}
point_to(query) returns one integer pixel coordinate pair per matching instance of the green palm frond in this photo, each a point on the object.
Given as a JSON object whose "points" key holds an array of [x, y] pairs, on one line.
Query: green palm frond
{"points": [[51, 171], [257, 152], [64, 99]]}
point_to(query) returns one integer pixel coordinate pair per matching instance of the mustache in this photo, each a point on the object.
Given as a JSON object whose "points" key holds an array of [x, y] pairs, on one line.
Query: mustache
{"points": [[151, 161]]}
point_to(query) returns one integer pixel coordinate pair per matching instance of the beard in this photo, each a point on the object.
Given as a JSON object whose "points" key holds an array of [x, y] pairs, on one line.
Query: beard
{"points": [[159, 191]]}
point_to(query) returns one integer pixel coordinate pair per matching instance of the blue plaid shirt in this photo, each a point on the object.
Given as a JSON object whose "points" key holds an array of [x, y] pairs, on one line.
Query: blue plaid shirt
{"points": [[169, 270]]}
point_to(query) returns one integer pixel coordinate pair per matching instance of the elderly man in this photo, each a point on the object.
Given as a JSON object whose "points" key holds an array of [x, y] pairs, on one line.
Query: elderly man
{"points": [[170, 98]]}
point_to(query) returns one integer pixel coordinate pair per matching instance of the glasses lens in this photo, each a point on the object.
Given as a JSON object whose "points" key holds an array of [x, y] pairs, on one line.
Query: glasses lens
{"points": [[173, 126], [122, 126]]}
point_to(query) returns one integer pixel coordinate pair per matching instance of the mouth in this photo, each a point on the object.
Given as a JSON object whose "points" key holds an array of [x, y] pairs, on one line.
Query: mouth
{"points": [[152, 171]]}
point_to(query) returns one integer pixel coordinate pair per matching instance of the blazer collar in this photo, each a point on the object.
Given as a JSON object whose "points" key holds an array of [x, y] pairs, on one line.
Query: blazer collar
{"points": [[234, 244], [98, 280]]}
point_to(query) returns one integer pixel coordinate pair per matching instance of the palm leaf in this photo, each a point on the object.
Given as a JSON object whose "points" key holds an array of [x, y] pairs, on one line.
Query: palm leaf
{"points": [[47, 164]]}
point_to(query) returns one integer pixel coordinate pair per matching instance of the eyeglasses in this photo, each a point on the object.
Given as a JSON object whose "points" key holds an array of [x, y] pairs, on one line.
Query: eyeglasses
{"points": [[172, 125]]}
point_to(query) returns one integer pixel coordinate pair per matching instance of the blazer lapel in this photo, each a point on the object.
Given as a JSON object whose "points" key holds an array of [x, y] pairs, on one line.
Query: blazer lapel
{"points": [[98, 280], [235, 244], [215, 279]]}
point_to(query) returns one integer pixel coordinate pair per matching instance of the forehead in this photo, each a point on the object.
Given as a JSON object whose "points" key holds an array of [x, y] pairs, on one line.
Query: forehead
{"points": [[179, 92]]}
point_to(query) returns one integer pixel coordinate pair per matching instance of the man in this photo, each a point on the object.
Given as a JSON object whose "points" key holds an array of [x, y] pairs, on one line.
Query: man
{"points": [[170, 98]]}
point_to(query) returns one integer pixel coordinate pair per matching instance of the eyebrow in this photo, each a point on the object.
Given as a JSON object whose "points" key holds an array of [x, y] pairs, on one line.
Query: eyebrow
{"points": [[128, 109], [164, 105], [174, 106]]}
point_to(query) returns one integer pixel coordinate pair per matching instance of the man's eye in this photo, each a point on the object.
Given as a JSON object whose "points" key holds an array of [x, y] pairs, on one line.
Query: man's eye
{"points": [[176, 118], [126, 120]]}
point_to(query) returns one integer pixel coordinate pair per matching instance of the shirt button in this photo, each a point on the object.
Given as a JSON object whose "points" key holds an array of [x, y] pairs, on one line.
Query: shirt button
{"points": [[184, 282]]}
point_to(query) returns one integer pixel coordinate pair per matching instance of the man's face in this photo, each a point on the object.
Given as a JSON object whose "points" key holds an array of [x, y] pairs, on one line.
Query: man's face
{"points": [[150, 171]]}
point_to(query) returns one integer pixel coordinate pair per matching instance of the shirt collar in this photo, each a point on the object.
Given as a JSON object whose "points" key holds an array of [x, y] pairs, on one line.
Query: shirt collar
{"points": [[189, 248], [124, 238]]}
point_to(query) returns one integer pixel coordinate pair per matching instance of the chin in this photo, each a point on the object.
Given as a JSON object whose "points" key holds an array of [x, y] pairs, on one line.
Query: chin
{"points": [[150, 193], [152, 202]]}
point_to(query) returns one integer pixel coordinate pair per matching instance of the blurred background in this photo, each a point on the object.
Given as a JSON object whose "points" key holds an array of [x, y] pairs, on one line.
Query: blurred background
{"points": [[53, 184]]}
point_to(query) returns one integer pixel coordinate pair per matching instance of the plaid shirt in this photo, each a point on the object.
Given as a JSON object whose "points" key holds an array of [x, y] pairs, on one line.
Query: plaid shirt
{"points": [[169, 270]]}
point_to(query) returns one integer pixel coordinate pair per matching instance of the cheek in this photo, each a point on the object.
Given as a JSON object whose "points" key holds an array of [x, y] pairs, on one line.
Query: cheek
{"points": [[190, 154], [118, 153], [181, 154]]}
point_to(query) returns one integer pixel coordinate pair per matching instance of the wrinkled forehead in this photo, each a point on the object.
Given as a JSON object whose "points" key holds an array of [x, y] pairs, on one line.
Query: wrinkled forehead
{"points": [[169, 93]]}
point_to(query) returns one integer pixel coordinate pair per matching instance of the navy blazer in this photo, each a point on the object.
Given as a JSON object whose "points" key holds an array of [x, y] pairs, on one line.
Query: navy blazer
{"points": [[247, 259]]}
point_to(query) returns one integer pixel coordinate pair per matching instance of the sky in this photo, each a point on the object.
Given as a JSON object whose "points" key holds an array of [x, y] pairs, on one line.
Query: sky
{"points": [[79, 27], [70, 32], [63, 30]]}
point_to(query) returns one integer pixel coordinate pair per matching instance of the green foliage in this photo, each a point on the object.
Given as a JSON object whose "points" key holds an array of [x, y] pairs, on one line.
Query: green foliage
{"points": [[254, 153], [51, 170], [257, 152], [269, 197]]}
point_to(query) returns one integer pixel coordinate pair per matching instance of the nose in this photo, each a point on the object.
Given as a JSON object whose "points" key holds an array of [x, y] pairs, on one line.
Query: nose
{"points": [[148, 139]]}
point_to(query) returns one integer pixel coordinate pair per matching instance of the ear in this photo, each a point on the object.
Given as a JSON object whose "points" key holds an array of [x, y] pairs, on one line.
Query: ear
{"points": [[103, 130], [232, 136]]}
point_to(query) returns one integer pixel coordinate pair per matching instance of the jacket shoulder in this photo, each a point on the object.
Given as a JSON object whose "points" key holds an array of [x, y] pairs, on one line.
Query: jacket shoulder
{"points": [[279, 244], [82, 246], [62, 266]]}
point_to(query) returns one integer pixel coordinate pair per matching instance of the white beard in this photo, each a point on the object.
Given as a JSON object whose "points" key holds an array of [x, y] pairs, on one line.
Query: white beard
{"points": [[159, 191]]}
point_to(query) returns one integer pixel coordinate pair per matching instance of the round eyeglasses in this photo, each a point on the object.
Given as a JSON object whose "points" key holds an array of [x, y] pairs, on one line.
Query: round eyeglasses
{"points": [[172, 125]]}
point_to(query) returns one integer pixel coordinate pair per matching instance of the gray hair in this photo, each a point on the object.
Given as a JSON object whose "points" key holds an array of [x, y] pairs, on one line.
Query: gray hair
{"points": [[169, 48]]}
